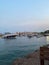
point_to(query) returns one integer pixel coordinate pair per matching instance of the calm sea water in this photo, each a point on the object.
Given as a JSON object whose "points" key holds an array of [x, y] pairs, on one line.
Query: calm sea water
{"points": [[11, 49]]}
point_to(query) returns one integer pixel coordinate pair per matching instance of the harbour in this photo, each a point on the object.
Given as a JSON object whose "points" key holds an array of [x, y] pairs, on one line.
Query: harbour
{"points": [[24, 32], [11, 49]]}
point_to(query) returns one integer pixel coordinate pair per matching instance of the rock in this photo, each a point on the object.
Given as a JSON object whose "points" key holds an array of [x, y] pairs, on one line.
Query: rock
{"points": [[30, 59]]}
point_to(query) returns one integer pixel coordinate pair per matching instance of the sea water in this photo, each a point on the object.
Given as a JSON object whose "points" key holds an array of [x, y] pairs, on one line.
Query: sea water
{"points": [[11, 49]]}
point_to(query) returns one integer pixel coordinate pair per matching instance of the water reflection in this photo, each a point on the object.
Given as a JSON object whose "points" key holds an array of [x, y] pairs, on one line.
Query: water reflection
{"points": [[47, 39]]}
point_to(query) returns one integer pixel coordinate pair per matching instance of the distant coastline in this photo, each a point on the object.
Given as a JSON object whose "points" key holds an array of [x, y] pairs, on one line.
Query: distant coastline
{"points": [[28, 34]]}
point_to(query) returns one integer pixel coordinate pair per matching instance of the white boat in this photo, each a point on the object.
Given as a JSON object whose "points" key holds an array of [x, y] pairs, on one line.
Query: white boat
{"points": [[9, 36], [38, 36]]}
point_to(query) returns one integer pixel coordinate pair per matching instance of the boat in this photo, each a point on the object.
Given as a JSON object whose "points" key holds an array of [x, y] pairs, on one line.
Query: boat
{"points": [[9, 36], [39, 35], [29, 36]]}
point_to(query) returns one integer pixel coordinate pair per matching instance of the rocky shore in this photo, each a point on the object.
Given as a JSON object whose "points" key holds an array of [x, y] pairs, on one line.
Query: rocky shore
{"points": [[30, 59]]}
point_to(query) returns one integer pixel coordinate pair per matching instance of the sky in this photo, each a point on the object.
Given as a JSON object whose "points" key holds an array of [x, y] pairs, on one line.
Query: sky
{"points": [[24, 15]]}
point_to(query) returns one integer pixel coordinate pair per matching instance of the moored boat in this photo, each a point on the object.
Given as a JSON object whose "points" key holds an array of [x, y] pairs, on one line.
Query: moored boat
{"points": [[9, 36]]}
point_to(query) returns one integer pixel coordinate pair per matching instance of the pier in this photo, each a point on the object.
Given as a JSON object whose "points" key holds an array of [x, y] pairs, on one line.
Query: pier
{"points": [[44, 55]]}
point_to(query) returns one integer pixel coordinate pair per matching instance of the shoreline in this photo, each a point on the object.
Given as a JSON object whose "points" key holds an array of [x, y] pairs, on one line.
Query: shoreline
{"points": [[30, 59]]}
